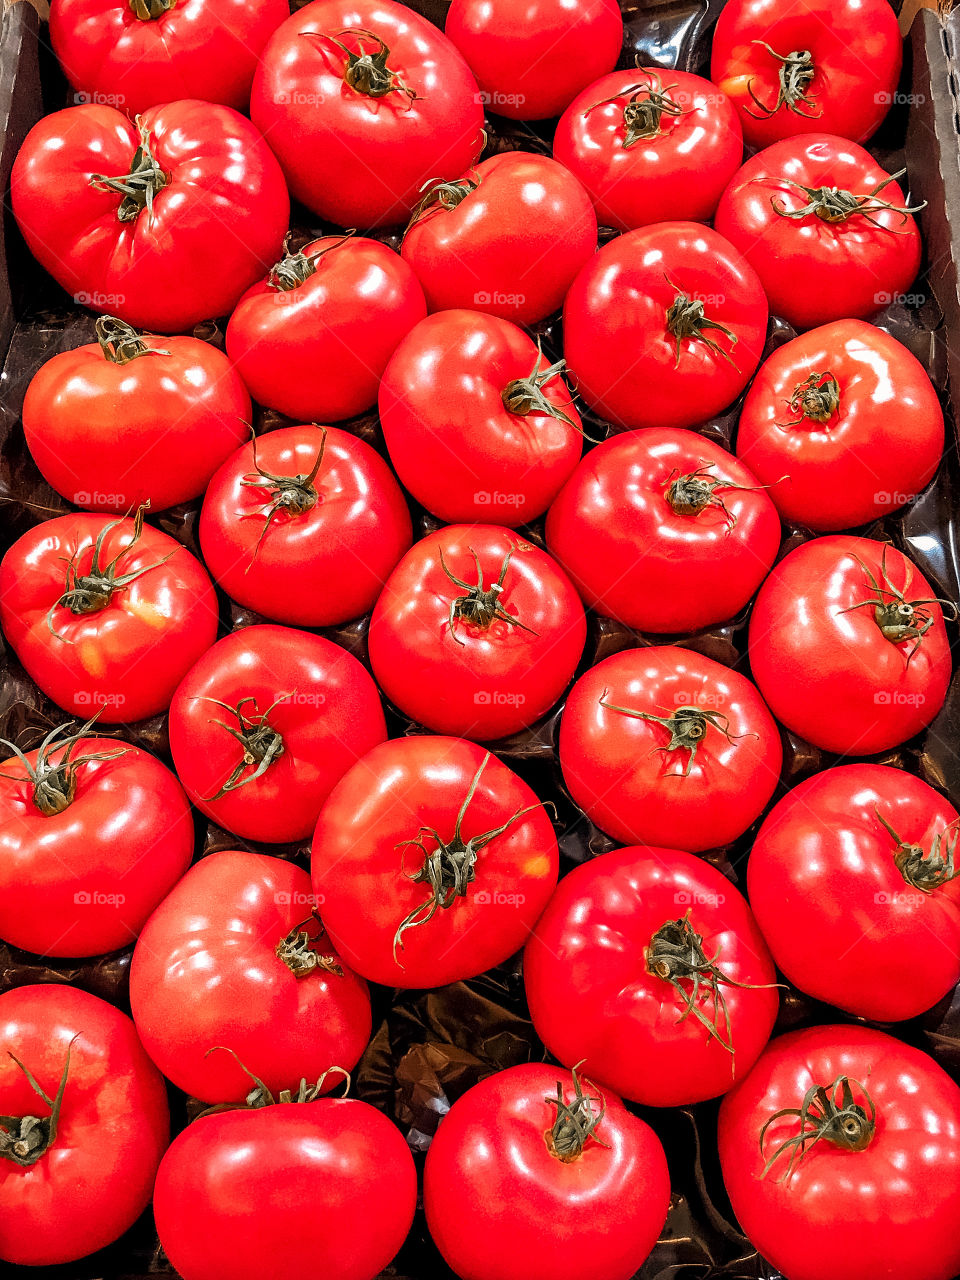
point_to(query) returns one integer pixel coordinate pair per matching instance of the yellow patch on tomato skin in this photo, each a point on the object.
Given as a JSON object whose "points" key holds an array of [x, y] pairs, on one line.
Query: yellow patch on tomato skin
{"points": [[92, 657], [538, 866], [148, 613]]}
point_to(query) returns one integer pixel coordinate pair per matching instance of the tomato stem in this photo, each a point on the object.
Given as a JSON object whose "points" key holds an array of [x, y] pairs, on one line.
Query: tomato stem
{"points": [[834, 205], [691, 493], [24, 1139], [817, 397], [294, 269], [687, 728], [138, 187], [920, 870], [150, 10], [524, 396], [296, 950], [795, 74], [645, 108], [367, 73], [842, 1122], [481, 606], [121, 343], [686, 318], [260, 1096], [899, 619], [55, 785], [261, 743], [294, 495], [576, 1122], [438, 194]]}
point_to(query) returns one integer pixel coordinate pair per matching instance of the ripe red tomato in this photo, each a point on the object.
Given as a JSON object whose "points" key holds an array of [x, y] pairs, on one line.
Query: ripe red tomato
{"points": [[651, 146], [479, 424], [432, 861], [663, 746], [234, 956], [303, 340], [365, 101], [849, 419], [477, 633], [304, 526], [648, 966], [522, 1185], [848, 646], [530, 60], [871, 1192], [506, 239], [81, 1142], [664, 530], [264, 725], [813, 67], [105, 616], [815, 209], [684, 337]]}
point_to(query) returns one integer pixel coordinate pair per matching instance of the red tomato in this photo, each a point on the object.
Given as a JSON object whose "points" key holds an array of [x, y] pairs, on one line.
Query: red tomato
{"points": [[872, 1192], [364, 102], [848, 645], [304, 525], [80, 1144], [505, 239], [648, 966], [303, 340], [848, 418], [664, 746], [467, 405], [813, 66], [432, 861], [138, 55], [264, 725], [684, 337], [163, 222], [651, 146], [664, 530], [233, 957], [522, 1185], [105, 615], [476, 633], [530, 60], [818, 209], [133, 418]]}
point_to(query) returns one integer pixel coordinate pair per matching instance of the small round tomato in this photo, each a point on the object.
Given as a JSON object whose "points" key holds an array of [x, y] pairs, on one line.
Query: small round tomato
{"points": [[871, 1189], [843, 424], [532, 1176], [477, 633], [264, 725], [313, 339], [648, 968], [505, 239], [105, 615], [664, 746], [304, 525], [664, 530], [432, 861], [684, 337], [83, 1124], [848, 646], [636, 138], [829, 233], [479, 424]]}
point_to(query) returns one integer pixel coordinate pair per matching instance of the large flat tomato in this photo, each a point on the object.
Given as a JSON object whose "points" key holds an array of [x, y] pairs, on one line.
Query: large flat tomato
{"points": [[648, 968], [432, 861], [163, 221], [686, 332], [235, 957], [79, 1143], [532, 1176]]}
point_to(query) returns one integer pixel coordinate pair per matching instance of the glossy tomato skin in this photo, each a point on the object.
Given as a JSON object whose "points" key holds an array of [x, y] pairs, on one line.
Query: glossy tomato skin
{"points": [[649, 180], [615, 766], [315, 568], [362, 871], [831, 676], [478, 682], [357, 160], [885, 1211], [205, 973], [635, 557], [452, 440], [501, 1206], [624, 360], [224, 202], [512, 246], [868, 261], [317, 697], [316, 351], [592, 998], [842, 922], [126, 659], [875, 452], [856, 50], [96, 1178]]}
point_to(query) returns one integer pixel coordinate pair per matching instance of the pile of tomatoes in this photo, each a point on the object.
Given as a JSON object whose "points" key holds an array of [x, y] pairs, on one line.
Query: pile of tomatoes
{"points": [[362, 624]]}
